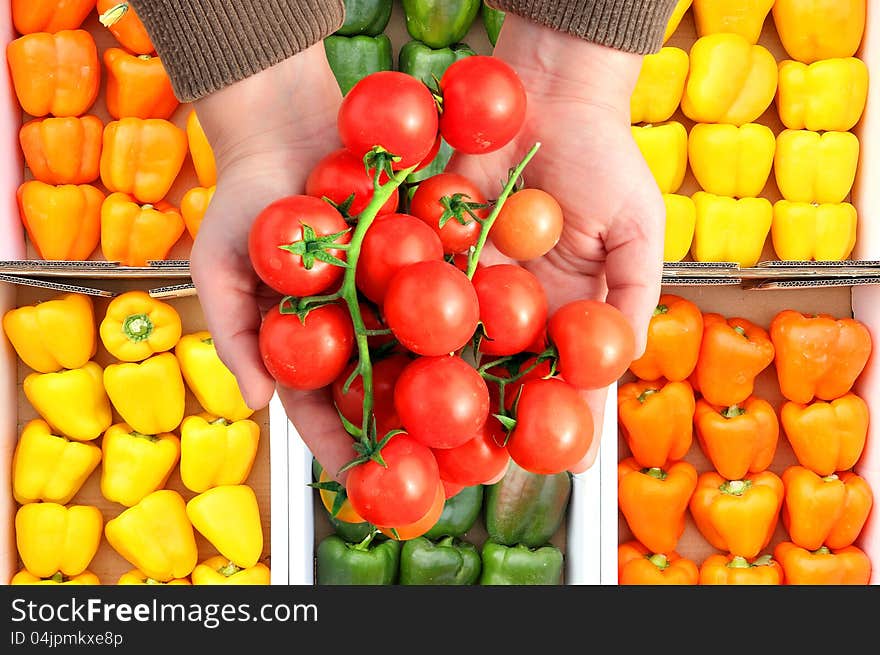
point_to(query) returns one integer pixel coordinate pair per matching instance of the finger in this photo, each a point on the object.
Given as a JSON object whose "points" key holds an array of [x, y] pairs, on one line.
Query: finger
{"points": [[315, 419], [596, 400]]}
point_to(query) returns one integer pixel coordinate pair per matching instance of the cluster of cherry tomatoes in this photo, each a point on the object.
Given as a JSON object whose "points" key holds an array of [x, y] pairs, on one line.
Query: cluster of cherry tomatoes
{"points": [[441, 369]]}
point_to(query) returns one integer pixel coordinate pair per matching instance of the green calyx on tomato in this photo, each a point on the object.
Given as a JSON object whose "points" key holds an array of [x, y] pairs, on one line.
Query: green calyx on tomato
{"points": [[314, 248], [456, 207]]}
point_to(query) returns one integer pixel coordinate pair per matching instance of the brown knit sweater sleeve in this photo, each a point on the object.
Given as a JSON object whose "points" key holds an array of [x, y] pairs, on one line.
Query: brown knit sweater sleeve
{"points": [[631, 25], [206, 45]]}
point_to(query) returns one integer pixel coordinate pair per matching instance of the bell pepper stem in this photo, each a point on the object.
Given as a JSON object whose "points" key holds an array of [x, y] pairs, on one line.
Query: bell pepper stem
{"points": [[137, 327], [228, 569], [655, 472], [659, 560], [738, 562], [647, 393], [114, 14]]}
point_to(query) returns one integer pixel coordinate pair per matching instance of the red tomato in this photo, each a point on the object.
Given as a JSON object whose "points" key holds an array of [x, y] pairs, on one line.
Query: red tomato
{"points": [[281, 224], [393, 110], [595, 341], [307, 355], [554, 427], [442, 401], [455, 236], [340, 174], [451, 489], [431, 155], [484, 104], [385, 375], [476, 461], [511, 389], [528, 226], [420, 527], [392, 242], [432, 308], [400, 492], [513, 308], [373, 320]]}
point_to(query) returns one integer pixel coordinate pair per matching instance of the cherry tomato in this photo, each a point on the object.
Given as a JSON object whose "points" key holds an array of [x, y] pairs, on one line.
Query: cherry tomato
{"points": [[346, 513], [281, 224], [442, 401], [400, 492], [432, 308], [484, 104], [385, 375], [373, 320], [393, 110], [456, 236], [477, 460], [392, 242], [511, 389], [306, 355], [431, 155], [513, 308], [340, 174], [421, 526], [595, 341], [451, 489], [528, 226], [554, 427]]}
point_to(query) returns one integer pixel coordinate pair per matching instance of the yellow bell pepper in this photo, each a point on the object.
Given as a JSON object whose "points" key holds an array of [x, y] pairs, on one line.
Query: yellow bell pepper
{"points": [[193, 206], [137, 577], [48, 467], [149, 395], [200, 151], [730, 230], [820, 29], [55, 334], [136, 325], [215, 452], [804, 231], [23, 577], [52, 538], [213, 385], [681, 220], [73, 401], [156, 536], [827, 95], [658, 90], [743, 17], [730, 80], [136, 464], [731, 161], [664, 148], [219, 570], [678, 13], [814, 167], [229, 518]]}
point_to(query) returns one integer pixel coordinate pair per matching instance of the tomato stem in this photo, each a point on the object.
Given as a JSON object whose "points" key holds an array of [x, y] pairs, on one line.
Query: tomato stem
{"points": [[486, 225]]}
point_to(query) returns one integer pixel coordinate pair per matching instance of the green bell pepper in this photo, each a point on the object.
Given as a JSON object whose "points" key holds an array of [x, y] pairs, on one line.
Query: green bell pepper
{"points": [[493, 19], [439, 23], [459, 513], [369, 17], [520, 565], [425, 62], [526, 508], [363, 563], [450, 561], [352, 58]]}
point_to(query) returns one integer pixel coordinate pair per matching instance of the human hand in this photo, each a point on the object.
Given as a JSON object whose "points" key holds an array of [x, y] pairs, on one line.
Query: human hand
{"points": [[611, 246]]}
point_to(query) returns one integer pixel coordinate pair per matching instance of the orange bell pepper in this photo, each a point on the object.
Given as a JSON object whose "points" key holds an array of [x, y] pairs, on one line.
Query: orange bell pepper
{"points": [[133, 234], [193, 207], [817, 355], [739, 439], [137, 85], [142, 157], [52, 16], [63, 150], [63, 222], [824, 566], [200, 151], [827, 436], [732, 354], [829, 510], [736, 570], [654, 501], [636, 565], [57, 74], [738, 516], [122, 21], [674, 336], [657, 420]]}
